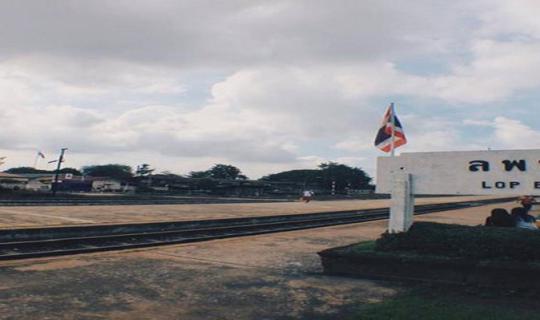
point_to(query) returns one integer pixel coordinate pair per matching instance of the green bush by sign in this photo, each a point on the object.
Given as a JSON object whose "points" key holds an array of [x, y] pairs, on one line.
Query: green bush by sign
{"points": [[476, 242]]}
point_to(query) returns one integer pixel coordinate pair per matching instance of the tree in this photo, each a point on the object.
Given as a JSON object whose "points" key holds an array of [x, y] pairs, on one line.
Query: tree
{"points": [[205, 184], [322, 178], [19, 170], [199, 174], [73, 171], [23, 170], [227, 172], [303, 176], [219, 171], [344, 176], [117, 171], [144, 170]]}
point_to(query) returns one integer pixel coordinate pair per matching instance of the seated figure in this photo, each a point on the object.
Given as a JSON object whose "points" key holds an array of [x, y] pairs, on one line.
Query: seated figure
{"points": [[527, 202], [523, 220], [500, 218]]}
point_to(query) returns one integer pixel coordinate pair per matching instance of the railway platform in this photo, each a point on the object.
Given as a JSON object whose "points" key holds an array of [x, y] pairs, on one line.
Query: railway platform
{"points": [[34, 216], [272, 276]]}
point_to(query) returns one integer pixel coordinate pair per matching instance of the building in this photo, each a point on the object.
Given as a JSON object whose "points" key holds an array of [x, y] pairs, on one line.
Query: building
{"points": [[105, 184], [39, 181], [12, 181]]}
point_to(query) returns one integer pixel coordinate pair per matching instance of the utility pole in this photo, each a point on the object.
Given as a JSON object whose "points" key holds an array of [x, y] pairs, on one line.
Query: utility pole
{"points": [[57, 172]]}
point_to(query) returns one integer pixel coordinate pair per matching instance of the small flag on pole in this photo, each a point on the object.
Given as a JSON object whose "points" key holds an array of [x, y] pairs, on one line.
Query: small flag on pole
{"points": [[390, 135]]}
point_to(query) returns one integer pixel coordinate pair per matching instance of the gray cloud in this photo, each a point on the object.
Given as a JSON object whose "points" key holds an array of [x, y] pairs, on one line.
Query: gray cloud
{"points": [[278, 84], [224, 33]]}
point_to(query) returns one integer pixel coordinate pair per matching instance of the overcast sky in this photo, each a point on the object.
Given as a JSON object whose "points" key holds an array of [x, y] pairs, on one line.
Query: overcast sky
{"points": [[263, 85]]}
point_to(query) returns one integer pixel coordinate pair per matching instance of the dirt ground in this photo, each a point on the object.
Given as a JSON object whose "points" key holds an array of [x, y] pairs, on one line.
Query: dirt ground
{"points": [[275, 276], [23, 217]]}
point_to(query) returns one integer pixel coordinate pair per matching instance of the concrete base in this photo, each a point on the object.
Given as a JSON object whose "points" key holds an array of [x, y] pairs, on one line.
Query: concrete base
{"points": [[384, 265], [401, 204]]}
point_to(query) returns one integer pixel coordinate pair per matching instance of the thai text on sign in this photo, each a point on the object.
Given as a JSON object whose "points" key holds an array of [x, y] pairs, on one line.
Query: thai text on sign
{"points": [[504, 172]]}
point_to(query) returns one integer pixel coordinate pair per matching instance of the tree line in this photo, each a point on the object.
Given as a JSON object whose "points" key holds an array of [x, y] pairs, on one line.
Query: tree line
{"points": [[325, 176]]}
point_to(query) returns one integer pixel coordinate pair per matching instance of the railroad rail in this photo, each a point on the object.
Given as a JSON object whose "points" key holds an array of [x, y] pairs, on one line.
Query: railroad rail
{"points": [[54, 241], [126, 201]]}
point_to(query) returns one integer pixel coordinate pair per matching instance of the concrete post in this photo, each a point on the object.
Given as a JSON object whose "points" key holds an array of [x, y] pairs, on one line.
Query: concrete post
{"points": [[401, 204]]}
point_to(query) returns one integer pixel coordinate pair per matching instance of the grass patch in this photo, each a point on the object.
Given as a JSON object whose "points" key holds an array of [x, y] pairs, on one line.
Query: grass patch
{"points": [[364, 246], [441, 304], [491, 243]]}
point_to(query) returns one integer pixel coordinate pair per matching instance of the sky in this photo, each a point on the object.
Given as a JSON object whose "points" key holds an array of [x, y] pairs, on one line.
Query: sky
{"points": [[266, 86]]}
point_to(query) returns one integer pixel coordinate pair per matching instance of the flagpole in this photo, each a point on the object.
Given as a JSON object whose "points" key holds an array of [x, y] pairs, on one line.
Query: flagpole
{"points": [[54, 186], [393, 121]]}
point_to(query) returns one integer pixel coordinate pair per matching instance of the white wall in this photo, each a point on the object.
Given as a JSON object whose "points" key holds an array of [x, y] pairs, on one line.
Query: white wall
{"points": [[451, 172]]}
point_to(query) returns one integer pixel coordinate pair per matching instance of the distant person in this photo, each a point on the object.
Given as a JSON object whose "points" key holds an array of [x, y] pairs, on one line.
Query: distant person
{"points": [[523, 220], [307, 195], [500, 218]]}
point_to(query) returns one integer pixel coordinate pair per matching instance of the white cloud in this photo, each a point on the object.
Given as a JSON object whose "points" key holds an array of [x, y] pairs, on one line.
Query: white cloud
{"points": [[507, 133], [510, 18], [234, 33], [269, 86], [477, 123], [513, 134], [496, 71]]}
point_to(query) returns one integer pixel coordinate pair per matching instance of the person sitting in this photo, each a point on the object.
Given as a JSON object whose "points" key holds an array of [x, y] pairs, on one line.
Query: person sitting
{"points": [[523, 220], [527, 202], [500, 218]]}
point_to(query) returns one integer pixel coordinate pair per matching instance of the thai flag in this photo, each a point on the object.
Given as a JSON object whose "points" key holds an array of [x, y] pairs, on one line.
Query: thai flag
{"points": [[384, 137]]}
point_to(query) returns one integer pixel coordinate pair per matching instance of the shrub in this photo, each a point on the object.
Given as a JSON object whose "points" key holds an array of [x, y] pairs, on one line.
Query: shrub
{"points": [[477, 242]]}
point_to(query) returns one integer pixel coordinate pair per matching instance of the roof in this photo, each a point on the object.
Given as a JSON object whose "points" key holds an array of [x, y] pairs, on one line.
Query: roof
{"points": [[10, 175], [35, 175], [89, 178]]}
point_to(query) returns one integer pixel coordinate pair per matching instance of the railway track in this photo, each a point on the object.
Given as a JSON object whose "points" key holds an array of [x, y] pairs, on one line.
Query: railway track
{"points": [[42, 242], [116, 202]]}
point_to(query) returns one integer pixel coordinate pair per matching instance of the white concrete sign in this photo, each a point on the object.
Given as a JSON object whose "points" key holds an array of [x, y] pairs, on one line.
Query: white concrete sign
{"points": [[502, 172], [401, 204]]}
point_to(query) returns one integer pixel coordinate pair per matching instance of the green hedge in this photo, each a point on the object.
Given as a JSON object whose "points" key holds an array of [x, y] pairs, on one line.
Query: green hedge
{"points": [[477, 242]]}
